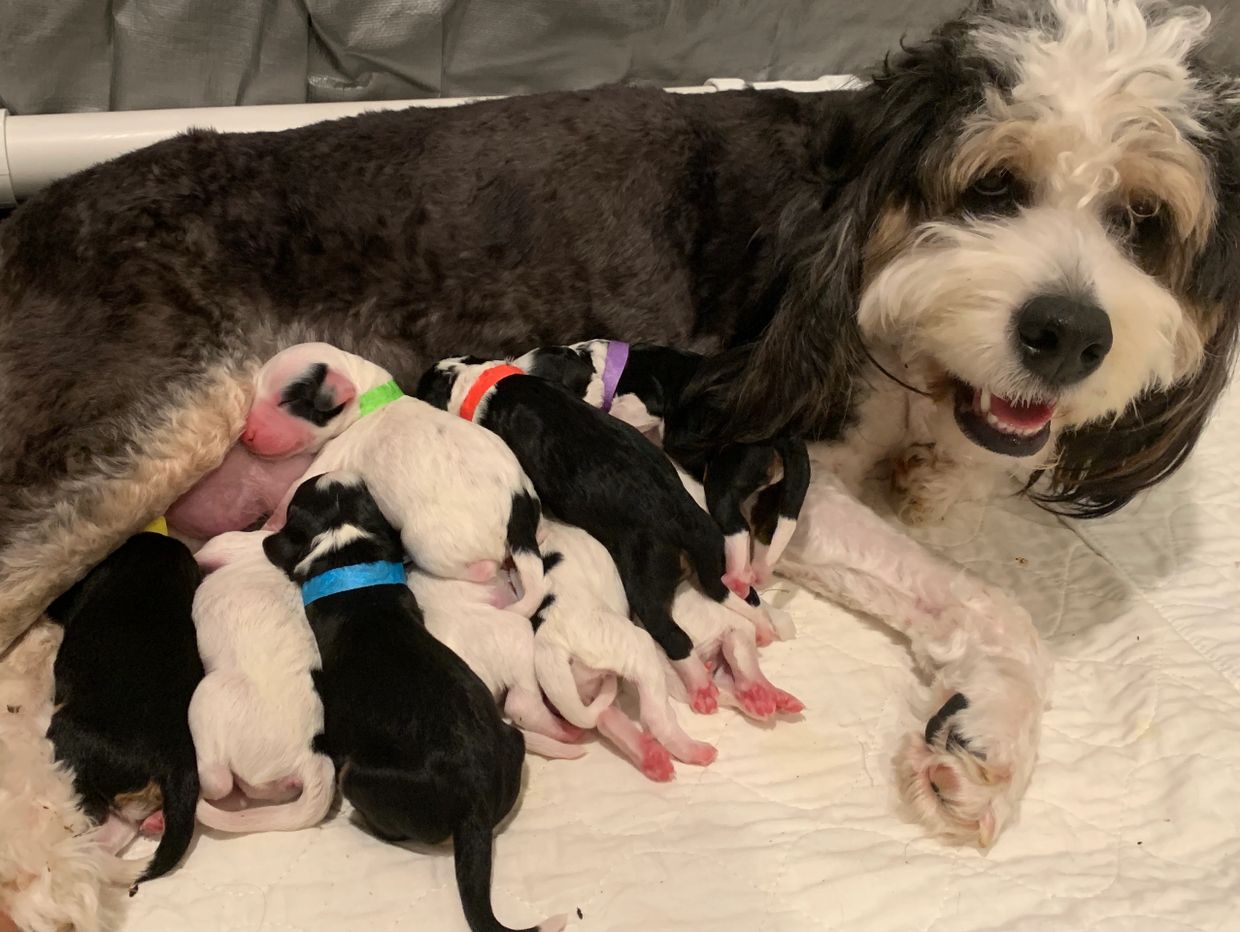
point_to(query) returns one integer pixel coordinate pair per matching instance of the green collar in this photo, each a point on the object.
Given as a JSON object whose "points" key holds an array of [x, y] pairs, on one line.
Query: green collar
{"points": [[377, 397]]}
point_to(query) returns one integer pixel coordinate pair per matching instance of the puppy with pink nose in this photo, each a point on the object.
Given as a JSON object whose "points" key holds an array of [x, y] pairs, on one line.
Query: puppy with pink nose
{"points": [[461, 499], [256, 717]]}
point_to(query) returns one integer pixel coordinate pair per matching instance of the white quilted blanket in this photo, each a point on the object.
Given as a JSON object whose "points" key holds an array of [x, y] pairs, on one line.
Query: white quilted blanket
{"points": [[1132, 820]]}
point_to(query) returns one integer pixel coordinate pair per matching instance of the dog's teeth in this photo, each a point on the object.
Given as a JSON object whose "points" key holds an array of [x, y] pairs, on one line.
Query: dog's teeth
{"points": [[995, 422], [986, 401]]}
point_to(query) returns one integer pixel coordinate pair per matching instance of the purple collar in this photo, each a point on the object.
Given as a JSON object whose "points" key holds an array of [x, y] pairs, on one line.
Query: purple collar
{"points": [[613, 368]]}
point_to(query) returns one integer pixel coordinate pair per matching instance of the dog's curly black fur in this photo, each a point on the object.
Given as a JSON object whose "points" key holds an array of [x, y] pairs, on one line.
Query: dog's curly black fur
{"points": [[746, 224]]}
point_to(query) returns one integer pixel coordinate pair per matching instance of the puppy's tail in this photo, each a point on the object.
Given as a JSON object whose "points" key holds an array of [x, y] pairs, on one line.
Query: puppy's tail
{"points": [[180, 799], [317, 791], [473, 843], [555, 676], [523, 546]]}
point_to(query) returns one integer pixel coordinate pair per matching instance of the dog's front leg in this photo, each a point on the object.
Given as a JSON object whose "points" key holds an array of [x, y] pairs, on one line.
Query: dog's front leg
{"points": [[965, 772]]}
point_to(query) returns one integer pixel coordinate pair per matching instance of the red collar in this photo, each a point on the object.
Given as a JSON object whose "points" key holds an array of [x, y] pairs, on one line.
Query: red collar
{"points": [[485, 382]]}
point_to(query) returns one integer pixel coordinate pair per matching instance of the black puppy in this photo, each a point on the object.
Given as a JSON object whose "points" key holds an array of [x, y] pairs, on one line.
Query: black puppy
{"points": [[646, 385], [417, 741], [125, 673], [601, 475]]}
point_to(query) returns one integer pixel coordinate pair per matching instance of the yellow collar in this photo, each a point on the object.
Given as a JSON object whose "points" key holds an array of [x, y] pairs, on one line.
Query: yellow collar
{"points": [[158, 526]]}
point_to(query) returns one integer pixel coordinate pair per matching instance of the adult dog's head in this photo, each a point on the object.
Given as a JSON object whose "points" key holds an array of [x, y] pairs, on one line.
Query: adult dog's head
{"points": [[1038, 210]]}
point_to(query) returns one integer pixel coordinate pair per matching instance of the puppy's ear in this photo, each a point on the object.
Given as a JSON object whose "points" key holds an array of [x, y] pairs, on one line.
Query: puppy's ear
{"points": [[318, 395], [283, 551], [435, 387]]}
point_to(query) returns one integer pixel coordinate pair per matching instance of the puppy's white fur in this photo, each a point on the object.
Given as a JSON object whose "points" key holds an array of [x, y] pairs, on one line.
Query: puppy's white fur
{"points": [[498, 645], [56, 872], [446, 483], [256, 713], [586, 631]]}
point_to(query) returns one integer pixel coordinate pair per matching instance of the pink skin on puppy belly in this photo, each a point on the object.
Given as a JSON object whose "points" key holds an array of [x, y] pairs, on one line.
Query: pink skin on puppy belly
{"points": [[235, 494], [153, 825]]}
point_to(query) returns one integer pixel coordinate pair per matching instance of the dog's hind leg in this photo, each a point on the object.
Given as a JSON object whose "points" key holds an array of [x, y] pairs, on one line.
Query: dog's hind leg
{"points": [[758, 697], [528, 711], [72, 489]]}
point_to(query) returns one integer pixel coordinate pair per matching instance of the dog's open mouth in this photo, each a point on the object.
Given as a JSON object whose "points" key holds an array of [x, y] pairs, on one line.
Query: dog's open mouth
{"points": [[1012, 428]]}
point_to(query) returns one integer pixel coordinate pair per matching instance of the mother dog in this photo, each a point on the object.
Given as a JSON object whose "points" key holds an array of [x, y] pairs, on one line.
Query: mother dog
{"points": [[1018, 246]]}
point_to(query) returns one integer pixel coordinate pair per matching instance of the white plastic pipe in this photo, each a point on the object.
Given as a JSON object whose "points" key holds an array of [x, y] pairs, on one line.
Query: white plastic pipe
{"points": [[36, 150]]}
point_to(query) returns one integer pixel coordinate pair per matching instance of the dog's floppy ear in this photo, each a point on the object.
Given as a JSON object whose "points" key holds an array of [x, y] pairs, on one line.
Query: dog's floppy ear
{"points": [[867, 151], [318, 394], [282, 550]]}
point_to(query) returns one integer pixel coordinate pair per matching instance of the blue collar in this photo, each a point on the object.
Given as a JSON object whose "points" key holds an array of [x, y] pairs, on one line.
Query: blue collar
{"points": [[348, 578]]}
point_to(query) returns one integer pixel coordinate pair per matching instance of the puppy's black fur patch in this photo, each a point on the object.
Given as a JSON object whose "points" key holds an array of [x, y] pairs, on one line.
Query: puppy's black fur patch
{"points": [[419, 745], [731, 473], [601, 475], [125, 673], [309, 399]]}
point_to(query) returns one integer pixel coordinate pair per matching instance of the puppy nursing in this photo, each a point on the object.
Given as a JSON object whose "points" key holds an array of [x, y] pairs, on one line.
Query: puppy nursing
{"points": [[256, 717], [463, 504], [421, 749], [125, 673], [753, 490]]}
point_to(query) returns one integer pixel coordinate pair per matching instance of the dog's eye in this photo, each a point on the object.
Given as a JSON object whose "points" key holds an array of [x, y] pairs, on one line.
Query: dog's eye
{"points": [[996, 184], [1144, 209]]}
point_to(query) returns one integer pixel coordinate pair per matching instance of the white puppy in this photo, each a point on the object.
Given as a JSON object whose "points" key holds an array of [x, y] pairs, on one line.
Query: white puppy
{"points": [[460, 498], [498, 645], [584, 641], [256, 714]]}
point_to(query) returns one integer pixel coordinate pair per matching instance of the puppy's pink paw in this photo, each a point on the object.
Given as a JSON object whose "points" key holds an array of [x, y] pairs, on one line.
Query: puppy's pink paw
{"points": [[656, 761], [701, 754], [786, 702], [764, 634], [705, 699], [738, 583], [153, 825], [758, 700]]}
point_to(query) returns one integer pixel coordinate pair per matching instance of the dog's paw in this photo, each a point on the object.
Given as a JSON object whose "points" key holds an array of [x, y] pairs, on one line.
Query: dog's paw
{"points": [[922, 486], [964, 774], [758, 700]]}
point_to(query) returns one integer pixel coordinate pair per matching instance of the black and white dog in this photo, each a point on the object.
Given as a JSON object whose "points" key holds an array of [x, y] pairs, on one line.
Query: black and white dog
{"points": [[601, 475], [1016, 248], [418, 743], [125, 673], [751, 489]]}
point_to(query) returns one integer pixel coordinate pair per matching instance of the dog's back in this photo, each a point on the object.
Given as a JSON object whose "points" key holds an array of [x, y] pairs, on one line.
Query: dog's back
{"points": [[125, 673]]}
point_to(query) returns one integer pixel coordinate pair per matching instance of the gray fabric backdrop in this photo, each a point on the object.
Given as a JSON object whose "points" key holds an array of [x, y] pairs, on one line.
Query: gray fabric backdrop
{"points": [[69, 55]]}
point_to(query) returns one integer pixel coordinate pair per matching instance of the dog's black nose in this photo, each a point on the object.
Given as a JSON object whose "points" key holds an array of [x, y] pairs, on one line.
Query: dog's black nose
{"points": [[1062, 339]]}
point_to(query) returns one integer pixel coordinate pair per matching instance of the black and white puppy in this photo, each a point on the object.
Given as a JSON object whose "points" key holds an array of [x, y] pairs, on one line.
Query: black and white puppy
{"points": [[421, 751], [125, 673], [601, 475], [751, 489]]}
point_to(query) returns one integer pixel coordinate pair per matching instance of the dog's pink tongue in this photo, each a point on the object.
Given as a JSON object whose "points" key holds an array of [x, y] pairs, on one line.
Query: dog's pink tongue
{"points": [[1021, 414]]}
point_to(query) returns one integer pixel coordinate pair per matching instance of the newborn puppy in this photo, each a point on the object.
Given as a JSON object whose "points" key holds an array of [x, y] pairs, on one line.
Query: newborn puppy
{"points": [[458, 494], [584, 641], [643, 385], [498, 645], [256, 718], [125, 673], [601, 475], [419, 745]]}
